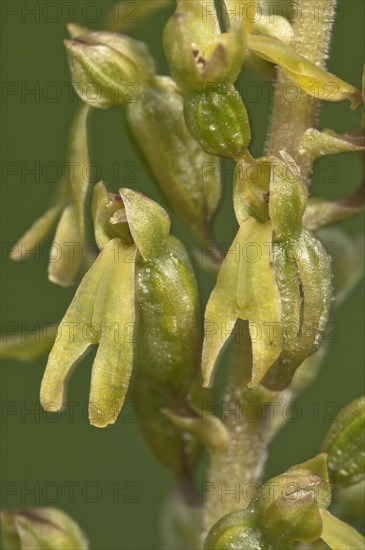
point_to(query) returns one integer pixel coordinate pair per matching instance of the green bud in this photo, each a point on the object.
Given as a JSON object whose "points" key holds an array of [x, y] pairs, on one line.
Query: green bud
{"points": [[218, 120], [41, 528], [344, 444], [197, 52], [289, 504], [169, 319], [238, 530], [188, 177], [107, 68], [288, 199]]}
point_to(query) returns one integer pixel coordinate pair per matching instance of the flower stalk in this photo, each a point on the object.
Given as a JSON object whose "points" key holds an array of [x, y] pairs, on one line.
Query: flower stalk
{"points": [[138, 301]]}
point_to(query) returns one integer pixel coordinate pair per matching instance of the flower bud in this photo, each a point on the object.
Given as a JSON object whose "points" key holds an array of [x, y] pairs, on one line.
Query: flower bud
{"points": [[41, 528], [108, 68], [238, 530], [344, 444], [187, 176], [289, 504], [197, 52], [218, 120]]}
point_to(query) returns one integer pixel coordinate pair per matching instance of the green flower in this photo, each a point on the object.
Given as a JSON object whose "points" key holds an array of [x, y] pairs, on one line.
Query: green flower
{"points": [[197, 51], [138, 260], [271, 261]]}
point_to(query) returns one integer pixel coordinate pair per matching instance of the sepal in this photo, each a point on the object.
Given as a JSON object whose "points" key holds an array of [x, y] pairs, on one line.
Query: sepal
{"points": [[314, 80], [69, 203]]}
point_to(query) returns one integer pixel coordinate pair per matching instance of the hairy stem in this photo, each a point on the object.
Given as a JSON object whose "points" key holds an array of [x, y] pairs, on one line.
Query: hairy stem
{"points": [[294, 111], [248, 425], [242, 463]]}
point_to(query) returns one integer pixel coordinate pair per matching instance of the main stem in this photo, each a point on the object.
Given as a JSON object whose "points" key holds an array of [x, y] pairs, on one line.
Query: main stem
{"points": [[294, 111], [232, 472], [247, 420]]}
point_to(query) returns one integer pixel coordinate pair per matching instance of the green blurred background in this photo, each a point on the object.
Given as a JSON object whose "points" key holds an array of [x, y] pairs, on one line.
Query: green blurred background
{"points": [[118, 485]]}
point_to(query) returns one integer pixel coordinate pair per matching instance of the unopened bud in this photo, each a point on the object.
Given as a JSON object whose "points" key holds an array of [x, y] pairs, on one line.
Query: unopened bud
{"points": [[239, 530], [218, 120], [289, 504], [104, 66]]}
